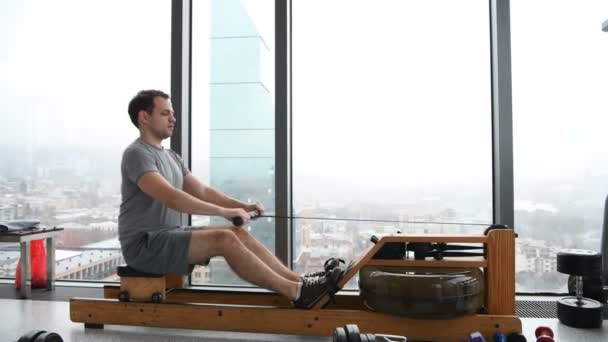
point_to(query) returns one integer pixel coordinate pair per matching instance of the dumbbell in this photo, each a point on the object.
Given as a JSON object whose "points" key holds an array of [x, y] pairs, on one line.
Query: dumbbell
{"points": [[592, 288], [475, 337], [579, 312], [543, 334], [499, 337], [516, 337], [40, 336], [351, 333]]}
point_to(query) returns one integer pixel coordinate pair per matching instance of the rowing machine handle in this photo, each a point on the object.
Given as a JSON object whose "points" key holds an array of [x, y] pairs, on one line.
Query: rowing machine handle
{"points": [[237, 221]]}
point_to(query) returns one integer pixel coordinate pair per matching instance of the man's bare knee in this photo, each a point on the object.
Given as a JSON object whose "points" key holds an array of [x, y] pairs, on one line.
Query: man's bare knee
{"points": [[226, 240], [240, 232], [205, 244]]}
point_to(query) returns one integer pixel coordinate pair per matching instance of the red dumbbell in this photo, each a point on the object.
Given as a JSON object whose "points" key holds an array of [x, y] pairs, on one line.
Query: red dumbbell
{"points": [[544, 334]]}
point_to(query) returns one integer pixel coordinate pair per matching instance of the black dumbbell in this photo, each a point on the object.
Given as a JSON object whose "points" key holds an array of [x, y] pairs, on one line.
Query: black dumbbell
{"points": [[340, 335], [592, 288], [48, 337], [579, 312], [351, 333], [31, 336], [40, 336], [516, 337]]}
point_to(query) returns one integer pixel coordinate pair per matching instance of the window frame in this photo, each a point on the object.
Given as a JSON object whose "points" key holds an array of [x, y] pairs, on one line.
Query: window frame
{"points": [[502, 126]]}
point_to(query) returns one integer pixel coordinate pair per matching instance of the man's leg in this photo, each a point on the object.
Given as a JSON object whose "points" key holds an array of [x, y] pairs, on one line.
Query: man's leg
{"points": [[263, 253], [225, 242]]}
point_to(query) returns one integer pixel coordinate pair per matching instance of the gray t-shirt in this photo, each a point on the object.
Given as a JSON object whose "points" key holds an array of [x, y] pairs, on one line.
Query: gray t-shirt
{"points": [[140, 213]]}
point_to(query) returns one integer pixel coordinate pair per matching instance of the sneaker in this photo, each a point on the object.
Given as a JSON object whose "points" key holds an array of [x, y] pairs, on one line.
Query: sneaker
{"points": [[313, 289], [314, 274], [328, 265]]}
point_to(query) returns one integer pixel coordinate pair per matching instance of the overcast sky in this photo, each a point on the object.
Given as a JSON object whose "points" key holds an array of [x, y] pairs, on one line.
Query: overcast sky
{"points": [[409, 84], [70, 67], [384, 90]]}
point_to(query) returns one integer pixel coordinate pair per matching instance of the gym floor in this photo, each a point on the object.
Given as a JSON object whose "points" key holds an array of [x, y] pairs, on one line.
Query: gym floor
{"points": [[50, 311]]}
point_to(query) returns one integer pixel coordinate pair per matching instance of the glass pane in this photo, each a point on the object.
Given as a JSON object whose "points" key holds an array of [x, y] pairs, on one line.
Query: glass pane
{"points": [[233, 112], [559, 55], [391, 117], [67, 77]]}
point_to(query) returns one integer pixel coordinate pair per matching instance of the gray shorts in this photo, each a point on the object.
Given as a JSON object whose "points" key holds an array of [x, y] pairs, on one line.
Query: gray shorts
{"points": [[163, 251]]}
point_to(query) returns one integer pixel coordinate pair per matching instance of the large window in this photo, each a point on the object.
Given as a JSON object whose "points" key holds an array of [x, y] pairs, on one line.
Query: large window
{"points": [[233, 112], [559, 63], [69, 69], [391, 121]]}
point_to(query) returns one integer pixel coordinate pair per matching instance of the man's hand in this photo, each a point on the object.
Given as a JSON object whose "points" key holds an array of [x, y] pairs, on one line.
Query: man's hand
{"points": [[231, 213], [257, 207]]}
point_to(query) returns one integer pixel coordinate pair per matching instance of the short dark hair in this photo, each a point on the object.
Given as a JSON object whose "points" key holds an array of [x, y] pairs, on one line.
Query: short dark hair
{"points": [[144, 100]]}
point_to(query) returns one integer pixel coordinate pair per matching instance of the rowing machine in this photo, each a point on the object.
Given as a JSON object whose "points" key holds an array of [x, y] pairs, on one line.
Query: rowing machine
{"points": [[270, 313]]}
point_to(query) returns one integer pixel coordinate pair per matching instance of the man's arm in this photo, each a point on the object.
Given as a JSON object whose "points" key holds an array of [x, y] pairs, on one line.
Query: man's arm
{"points": [[157, 187], [208, 194]]}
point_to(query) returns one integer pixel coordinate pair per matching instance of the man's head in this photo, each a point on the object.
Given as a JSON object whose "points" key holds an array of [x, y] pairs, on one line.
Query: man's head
{"points": [[151, 111]]}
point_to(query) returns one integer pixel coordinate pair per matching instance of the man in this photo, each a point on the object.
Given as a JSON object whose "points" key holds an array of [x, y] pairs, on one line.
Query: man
{"points": [[157, 187]]}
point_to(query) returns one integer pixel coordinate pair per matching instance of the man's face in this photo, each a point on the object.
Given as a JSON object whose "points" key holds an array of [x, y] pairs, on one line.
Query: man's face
{"points": [[162, 120]]}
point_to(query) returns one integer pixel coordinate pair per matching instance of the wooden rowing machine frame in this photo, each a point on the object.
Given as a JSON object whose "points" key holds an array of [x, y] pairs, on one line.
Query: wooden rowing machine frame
{"points": [[264, 312]]}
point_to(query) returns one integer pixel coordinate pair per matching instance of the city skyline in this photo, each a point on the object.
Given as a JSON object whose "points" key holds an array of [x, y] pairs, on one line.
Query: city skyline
{"points": [[577, 220]]}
